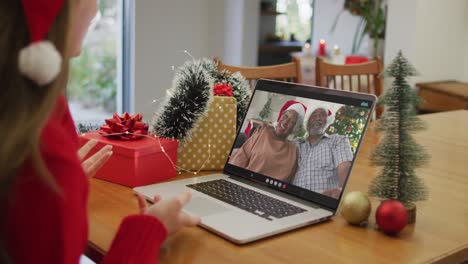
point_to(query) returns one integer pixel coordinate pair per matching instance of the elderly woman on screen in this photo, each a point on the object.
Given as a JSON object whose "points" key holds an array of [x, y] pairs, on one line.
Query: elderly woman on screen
{"points": [[268, 151]]}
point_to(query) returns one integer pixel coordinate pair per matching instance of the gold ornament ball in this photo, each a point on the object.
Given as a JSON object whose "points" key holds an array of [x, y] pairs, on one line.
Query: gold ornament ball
{"points": [[355, 208]]}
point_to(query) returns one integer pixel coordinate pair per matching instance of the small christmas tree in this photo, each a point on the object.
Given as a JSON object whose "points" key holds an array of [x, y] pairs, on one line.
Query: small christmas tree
{"points": [[265, 113], [398, 153]]}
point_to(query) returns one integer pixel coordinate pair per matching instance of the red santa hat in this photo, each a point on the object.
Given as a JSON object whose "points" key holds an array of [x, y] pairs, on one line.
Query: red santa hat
{"points": [[40, 61], [292, 105], [330, 115], [289, 105]]}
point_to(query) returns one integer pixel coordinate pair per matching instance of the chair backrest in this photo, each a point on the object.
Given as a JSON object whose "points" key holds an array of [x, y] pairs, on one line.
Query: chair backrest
{"points": [[362, 77], [284, 72]]}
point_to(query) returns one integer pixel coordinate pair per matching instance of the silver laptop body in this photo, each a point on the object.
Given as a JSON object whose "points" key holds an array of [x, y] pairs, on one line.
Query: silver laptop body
{"points": [[240, 221]]}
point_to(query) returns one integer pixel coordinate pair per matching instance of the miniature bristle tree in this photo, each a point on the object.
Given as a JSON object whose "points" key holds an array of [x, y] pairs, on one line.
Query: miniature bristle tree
{"points": [[398, 153]]}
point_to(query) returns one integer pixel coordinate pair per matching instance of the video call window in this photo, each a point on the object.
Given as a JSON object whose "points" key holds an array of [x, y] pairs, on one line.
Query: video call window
{"points": [[300, 141]]}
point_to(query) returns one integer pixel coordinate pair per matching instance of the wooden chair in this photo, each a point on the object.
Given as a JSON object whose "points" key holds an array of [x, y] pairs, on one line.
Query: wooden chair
{"points": [[283, 72], [363, 77]]}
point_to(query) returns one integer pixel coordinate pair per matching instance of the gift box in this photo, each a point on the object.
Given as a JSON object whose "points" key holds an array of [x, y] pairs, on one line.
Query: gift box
{"points": [[136, 162], [211, 141]]}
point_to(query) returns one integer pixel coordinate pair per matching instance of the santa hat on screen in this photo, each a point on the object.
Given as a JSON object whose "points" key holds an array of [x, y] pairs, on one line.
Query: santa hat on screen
{"points": [[289, 105], [292, 105], [310, 110], [40, 61]]}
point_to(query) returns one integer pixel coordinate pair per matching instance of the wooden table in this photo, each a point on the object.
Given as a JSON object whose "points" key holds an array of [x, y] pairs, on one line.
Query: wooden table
{"points": [[443, 96], [439, 235]]}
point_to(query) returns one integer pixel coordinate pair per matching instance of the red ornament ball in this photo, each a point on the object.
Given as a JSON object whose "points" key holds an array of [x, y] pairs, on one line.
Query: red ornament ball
{"points": [[391, 216]]}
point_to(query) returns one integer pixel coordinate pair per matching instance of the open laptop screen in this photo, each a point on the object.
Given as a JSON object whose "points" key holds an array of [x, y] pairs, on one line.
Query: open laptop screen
{"points": [[300, 139]]}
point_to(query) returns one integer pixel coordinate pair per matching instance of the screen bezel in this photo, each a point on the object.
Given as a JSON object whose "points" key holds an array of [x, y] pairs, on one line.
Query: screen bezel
{"points": [[310, 92]]}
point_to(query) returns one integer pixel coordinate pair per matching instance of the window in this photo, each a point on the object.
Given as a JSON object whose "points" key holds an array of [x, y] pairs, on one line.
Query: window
{"points": [[98, 84], [297, 21]]}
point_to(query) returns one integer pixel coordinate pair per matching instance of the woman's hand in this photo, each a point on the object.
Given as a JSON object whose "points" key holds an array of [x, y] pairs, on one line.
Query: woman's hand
{"points": [[92, 164], [169, 211]]}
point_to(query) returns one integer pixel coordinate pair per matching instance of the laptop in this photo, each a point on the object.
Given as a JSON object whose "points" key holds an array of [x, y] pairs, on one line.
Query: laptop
{"points": [[244, 204]]}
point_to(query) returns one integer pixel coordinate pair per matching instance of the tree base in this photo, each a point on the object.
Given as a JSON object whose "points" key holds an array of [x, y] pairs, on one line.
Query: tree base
{"points": [[411, 213]]}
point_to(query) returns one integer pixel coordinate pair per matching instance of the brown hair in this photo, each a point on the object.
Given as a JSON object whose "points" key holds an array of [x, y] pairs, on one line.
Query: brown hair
{"points": [[25, 106]]}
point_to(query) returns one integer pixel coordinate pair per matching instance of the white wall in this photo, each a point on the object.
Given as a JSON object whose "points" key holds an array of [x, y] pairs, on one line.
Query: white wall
{"points": [[162, 30], [440, 40], [400, 30], [205, 28], [324, 16], [250, 42], [234, 38], [217, 36], [241, 27], [432, 35]]}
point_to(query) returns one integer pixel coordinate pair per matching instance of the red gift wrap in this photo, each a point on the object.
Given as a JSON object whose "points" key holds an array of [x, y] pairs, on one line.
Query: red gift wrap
{"points": [[135, 162]]}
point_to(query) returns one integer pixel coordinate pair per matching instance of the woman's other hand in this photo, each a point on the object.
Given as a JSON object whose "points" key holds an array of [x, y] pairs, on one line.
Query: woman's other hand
{"points": [[169, 211], [92, 164]]}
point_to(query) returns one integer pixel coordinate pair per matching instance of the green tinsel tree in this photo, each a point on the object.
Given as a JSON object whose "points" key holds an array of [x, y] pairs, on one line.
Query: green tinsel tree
{"points": [[265, 113], [398, 153], [190, 96], [349, 121]]}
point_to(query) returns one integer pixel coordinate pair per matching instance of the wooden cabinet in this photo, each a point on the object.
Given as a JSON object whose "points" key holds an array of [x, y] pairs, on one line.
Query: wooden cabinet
{"points": [[443, 96]]}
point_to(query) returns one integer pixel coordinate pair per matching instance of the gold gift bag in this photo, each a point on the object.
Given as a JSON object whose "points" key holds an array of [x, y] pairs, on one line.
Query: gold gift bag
{"points": [[212, 139]]}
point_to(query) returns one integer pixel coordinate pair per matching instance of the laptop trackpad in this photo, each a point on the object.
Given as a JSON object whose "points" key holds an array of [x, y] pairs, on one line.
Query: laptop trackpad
{"points": [[201, 206]]}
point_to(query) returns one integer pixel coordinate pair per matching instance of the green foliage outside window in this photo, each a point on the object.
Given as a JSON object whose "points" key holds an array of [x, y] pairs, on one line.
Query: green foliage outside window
{"points": [[93, 78], [296, 19], [93, 75]]}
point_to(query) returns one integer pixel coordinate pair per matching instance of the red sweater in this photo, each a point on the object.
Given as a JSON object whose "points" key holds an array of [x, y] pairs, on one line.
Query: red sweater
{"points": [[46, 227]]}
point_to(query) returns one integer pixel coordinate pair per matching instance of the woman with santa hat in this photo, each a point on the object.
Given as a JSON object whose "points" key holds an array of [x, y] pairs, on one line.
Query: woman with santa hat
{"points": [[43, 178], [268, 150]]}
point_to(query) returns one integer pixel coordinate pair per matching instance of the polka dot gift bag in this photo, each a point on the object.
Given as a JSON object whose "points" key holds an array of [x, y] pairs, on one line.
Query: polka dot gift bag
{"points": [[211, 140]]}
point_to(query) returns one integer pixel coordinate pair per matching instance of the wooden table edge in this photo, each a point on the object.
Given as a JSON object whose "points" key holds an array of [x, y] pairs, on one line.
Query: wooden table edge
{"points": [[458, 255]]}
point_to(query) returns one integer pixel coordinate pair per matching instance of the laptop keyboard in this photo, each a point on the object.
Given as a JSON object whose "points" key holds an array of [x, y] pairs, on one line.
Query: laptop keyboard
{"points": [[247, 199]]}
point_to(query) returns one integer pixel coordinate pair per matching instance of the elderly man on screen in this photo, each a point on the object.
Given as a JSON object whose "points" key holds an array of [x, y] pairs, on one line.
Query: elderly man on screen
{"points": [[324, 160]]}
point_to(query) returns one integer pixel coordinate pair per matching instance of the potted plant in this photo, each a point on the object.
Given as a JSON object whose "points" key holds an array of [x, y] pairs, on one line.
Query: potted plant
{"points": [[372, 22]]}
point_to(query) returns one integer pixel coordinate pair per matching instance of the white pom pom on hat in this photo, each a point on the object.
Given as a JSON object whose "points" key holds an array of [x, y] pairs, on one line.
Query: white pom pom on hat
{"points": [[289, 106], [299, 108], [40, 61]]}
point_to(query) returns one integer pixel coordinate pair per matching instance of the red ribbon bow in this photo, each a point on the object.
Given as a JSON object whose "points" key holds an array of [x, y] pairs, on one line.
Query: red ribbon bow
{"points": [[125, 127], [222, 89]]}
